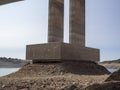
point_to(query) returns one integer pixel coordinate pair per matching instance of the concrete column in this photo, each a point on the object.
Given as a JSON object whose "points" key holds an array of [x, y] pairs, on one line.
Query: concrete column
{"points": [[56, 21], [77, 22]]}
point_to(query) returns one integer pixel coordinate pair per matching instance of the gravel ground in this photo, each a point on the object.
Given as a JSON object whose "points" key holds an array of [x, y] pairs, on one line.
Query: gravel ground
{"points": [[55, 76], [58, 82]]}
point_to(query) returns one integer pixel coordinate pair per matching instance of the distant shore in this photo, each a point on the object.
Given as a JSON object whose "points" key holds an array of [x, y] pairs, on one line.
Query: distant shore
{"points": [[11, 62], [111, 65]]}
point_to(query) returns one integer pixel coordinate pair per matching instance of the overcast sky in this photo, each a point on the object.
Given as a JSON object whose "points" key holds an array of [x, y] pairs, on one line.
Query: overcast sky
{"points": [[26, 22]]}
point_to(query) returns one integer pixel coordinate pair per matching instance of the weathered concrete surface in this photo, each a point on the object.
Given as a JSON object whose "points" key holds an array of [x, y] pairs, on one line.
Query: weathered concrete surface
{"points": [[56, 21], [77, 22], [56, 50], [60, 51], [8, 1], [41, 52]]}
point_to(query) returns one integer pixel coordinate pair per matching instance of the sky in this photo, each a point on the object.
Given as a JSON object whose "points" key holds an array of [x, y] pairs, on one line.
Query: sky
{"points": [[26, 22]]}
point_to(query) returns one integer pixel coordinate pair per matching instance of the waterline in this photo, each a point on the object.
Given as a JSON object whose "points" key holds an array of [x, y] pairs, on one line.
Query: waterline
{"points": [[112, 70], [6, 71]]}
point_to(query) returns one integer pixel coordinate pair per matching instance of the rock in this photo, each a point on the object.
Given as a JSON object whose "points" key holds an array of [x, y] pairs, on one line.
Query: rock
{"points": [[70, 87], [24, 89], [111, 83], [3, 86], [104, 86]]}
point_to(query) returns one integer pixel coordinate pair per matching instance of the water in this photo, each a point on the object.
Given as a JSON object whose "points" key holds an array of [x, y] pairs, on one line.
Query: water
{"points": [[112, 70], [6, 71]]}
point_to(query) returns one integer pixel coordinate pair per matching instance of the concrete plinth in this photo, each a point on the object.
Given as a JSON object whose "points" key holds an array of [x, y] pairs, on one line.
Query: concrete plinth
{"points": [[60, 52]]}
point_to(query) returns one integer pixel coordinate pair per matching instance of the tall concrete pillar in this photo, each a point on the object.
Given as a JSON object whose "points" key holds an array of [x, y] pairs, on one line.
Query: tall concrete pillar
{"points": [[58, 51], [56, 21], [77, 22]]}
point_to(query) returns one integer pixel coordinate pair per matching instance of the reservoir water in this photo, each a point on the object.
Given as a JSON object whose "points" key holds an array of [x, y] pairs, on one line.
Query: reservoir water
{"points": [[6, 71], [111, 70]]}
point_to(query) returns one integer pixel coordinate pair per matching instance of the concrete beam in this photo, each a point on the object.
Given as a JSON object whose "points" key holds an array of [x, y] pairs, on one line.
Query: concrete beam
{"points": [[56, 21], [8, 1]]}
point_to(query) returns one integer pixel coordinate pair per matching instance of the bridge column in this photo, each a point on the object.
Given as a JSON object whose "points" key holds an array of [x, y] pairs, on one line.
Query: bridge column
{"points": [[56, 21], [77, 22]]}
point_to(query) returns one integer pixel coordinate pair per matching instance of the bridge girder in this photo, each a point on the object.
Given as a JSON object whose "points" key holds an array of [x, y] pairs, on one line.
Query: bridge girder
{"points": [[8, 1]]}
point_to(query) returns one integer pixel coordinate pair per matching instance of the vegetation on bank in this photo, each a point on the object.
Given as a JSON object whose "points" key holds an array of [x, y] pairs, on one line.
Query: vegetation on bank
{"points": [[11, 62], [112, 61]]}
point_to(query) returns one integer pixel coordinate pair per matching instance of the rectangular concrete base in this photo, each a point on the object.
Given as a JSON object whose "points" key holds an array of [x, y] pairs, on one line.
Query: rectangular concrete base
{"points": [[60, 51]]}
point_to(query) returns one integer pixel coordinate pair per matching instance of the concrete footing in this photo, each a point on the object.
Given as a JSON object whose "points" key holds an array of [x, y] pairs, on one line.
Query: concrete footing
{"points": [[55, 51]]}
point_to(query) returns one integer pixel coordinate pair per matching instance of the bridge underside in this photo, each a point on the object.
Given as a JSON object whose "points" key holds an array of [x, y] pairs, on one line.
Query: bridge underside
{"points": [[8, 1]]}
